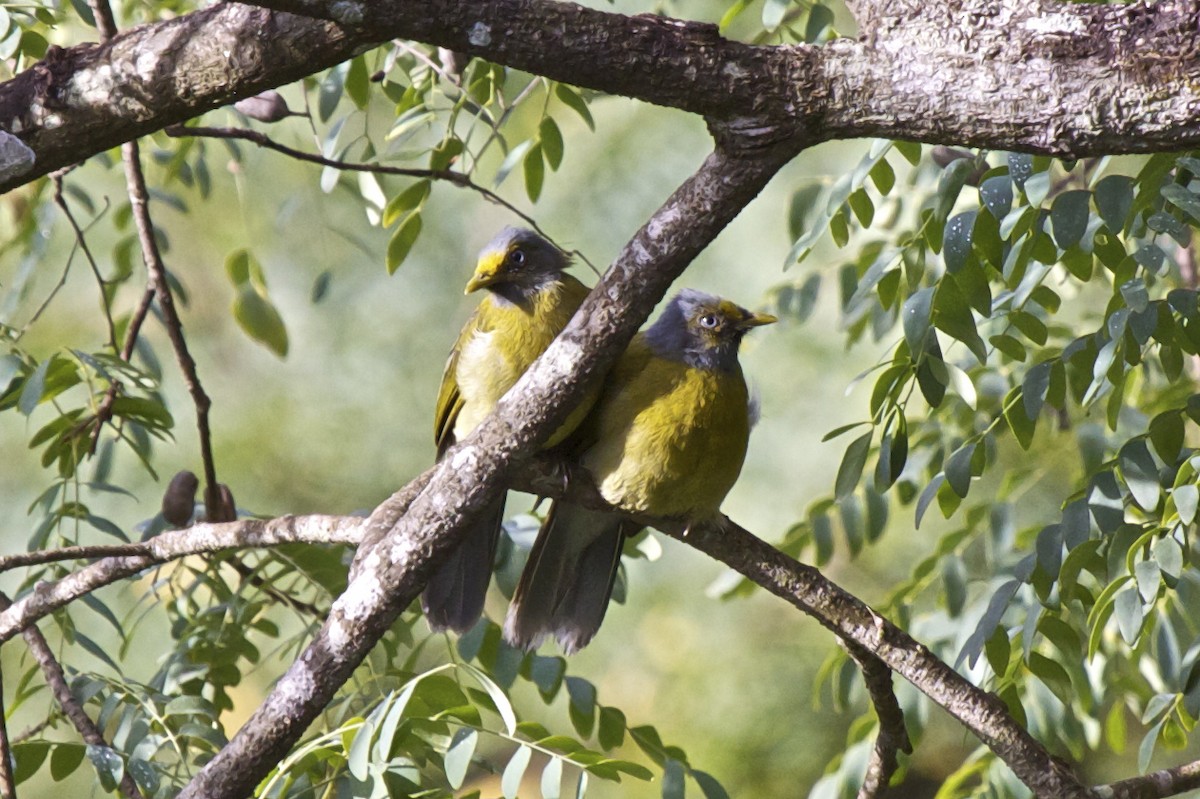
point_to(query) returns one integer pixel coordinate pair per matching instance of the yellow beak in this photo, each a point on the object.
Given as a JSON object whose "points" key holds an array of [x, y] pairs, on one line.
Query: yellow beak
{"points": [[487, 272], [758, 320]]}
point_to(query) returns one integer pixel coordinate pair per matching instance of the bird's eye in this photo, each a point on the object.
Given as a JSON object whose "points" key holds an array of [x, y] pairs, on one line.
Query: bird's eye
{"points": [[708, 320], [516, 258]]}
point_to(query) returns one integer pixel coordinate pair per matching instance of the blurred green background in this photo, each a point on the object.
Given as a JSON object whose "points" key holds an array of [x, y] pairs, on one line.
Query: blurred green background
{"points": [[345, 419]]}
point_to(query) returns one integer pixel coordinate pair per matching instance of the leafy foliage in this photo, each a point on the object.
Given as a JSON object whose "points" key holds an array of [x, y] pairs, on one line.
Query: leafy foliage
{"points": [[1042, 333]]}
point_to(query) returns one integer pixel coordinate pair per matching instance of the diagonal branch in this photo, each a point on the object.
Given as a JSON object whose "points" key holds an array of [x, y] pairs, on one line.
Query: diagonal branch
{"points": [[393, 564], [67, 702], [893, 735]]}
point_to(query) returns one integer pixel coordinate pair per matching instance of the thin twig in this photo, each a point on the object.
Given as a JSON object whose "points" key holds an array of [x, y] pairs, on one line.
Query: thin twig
{"points": [[136, 183], [34, 729], [46, 597], [446, 175], [893, 735], [8, 785], [70, 706], [81, 242], [104, 409]]}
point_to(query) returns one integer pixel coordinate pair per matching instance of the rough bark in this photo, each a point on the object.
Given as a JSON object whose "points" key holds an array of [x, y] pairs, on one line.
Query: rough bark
{"points": [[1063, 79]]}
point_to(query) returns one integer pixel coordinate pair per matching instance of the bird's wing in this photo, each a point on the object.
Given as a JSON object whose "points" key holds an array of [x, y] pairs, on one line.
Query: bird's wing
{"points": [[450, 401]]}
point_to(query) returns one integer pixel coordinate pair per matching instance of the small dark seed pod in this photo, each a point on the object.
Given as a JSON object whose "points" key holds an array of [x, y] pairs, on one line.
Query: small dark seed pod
{"points": [[180, 498], [266, 107], [220, 506]]}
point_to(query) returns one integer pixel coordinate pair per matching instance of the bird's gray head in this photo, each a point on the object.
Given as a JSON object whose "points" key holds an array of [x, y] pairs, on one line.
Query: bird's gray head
{"points": [[702, 330], [516, 264]]}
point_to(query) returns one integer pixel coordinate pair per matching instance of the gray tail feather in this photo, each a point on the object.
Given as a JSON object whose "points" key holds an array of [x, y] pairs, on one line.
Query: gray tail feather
{"points": [[565, 587], [453, 598]]}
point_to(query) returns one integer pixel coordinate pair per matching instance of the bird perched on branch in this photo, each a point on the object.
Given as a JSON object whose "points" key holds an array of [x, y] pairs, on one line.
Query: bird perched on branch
{"points": [[666, 438], [529, 299]]}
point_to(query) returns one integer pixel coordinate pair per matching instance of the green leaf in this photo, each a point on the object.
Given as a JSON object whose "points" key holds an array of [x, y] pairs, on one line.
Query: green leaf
{"points": [[1069, 217], [552, 779], [552, 142], [927, 496], [1114, 199], [958, 469], [709, 785], [996, 193], [1128, 608], [573, 100], [29, 758], [773, 12], [66, 760], [954, 579], [110, 767], [1140, 473], [952, 315], [358, 758], [1009, 346], [1183, 199], [1036, 188], [1146, 749], [582, 707], [1019, 422], [611, 733], [1166, 433], [1187, 497], [402, 241], [535, 172], [412, 197], [956, 243], [883, 176], [673, 780], [514, 772], [1053, 676], [850, 470], [358, 82], [915, 316], [800, 207], [34, 388], [863, 208], [259, 319], [1020, 167], [459, 754], [820, 18], [511, 160]]}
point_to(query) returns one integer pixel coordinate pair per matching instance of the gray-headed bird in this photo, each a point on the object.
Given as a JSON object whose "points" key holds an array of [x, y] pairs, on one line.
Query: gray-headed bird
{"points": [[666, 438]]}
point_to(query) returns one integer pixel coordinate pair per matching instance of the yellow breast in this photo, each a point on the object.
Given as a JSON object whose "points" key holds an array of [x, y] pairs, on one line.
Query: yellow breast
{"points": [[670, 439], [504, 341]]}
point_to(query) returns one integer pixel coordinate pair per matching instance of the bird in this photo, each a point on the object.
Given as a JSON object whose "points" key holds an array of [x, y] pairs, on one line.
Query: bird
{"points": [[528, 300], [666, 438]]}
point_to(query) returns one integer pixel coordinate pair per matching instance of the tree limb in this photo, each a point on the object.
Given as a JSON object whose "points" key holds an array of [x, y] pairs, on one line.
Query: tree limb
{"points": [[66, 700], [892, 737], [1055, 78], [46, 597]]}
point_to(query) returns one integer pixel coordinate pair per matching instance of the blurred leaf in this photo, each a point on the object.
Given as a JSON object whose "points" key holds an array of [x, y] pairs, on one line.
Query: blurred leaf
{"points": [[259, 319], [402, 241], [851, 467]]}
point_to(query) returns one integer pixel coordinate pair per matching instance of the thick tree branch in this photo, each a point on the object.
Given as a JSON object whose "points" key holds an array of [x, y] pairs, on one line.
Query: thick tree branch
{"points": [[1063, 79], [393, 564]]}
